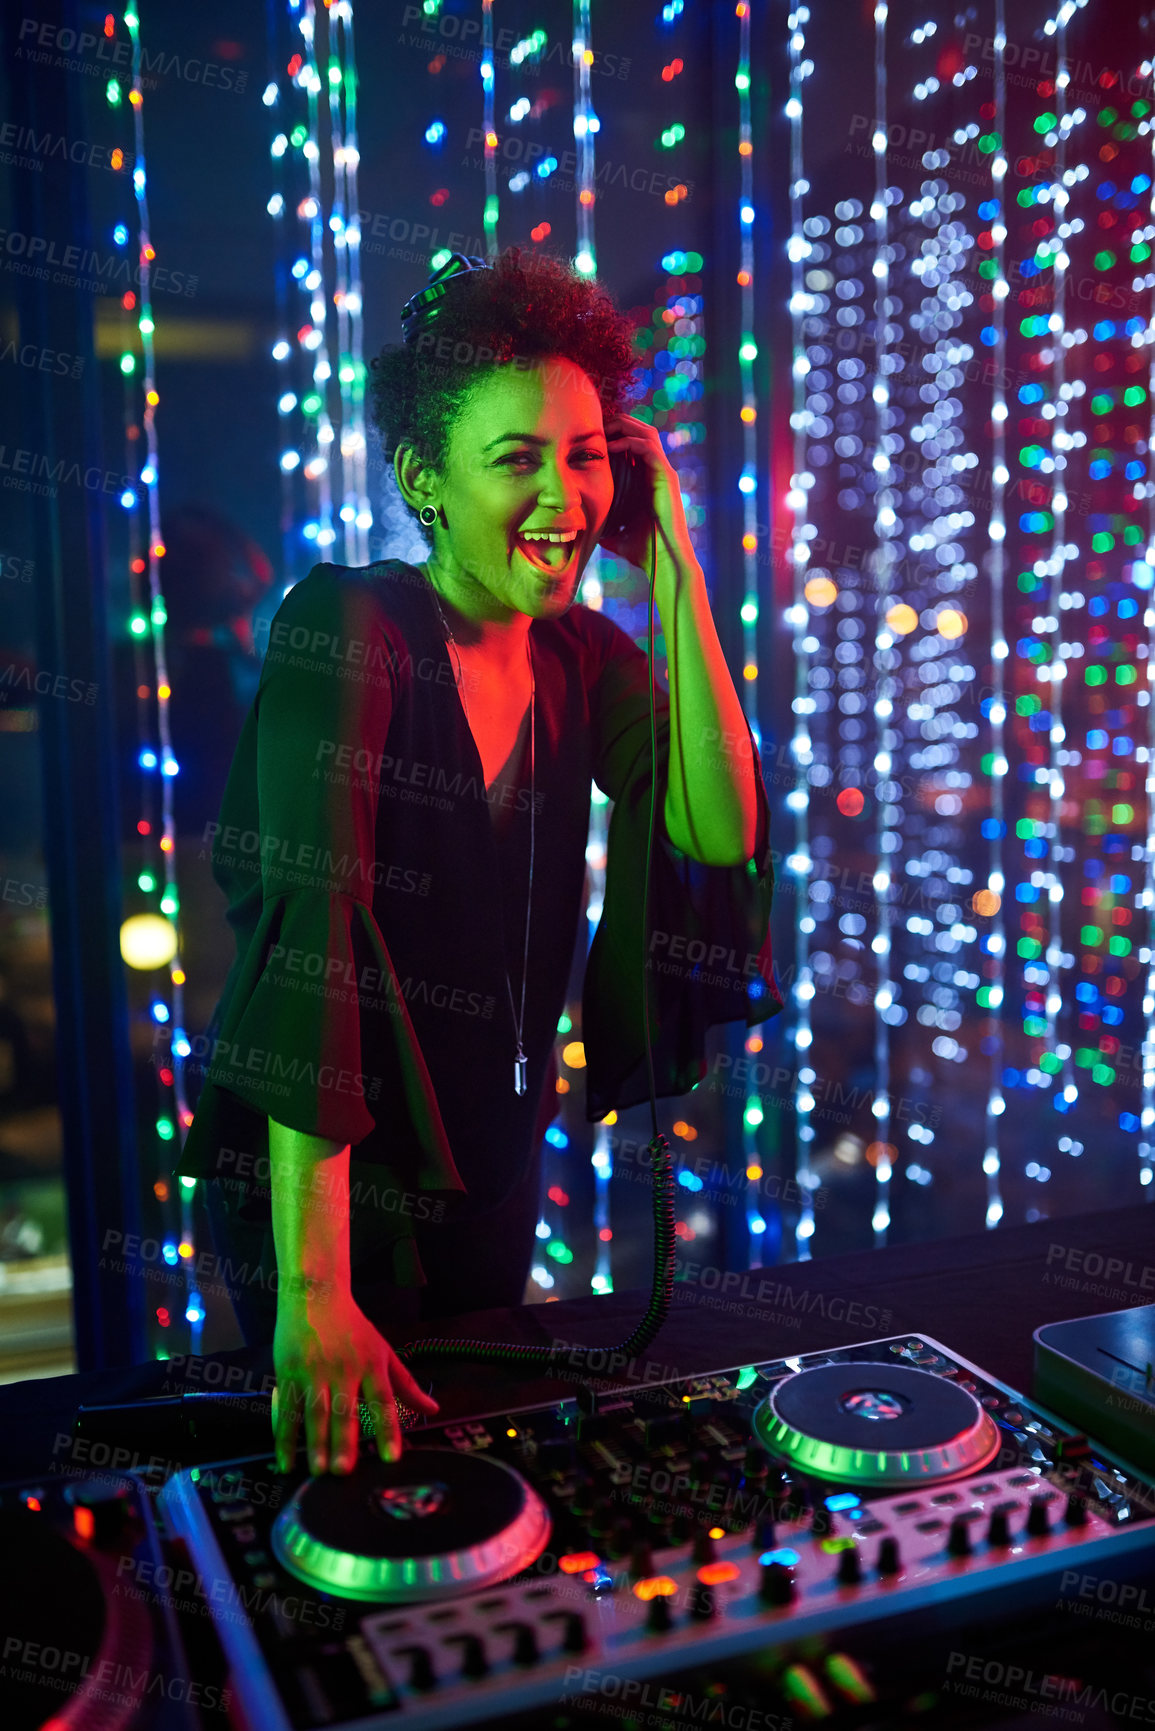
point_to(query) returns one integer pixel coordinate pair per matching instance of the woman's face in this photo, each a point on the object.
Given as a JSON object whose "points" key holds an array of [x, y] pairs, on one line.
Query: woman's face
{"points": [[527, 452]]}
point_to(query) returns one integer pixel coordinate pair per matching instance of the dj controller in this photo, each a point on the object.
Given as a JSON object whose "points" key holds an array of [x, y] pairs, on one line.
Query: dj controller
{"points": [[812, 1537]]}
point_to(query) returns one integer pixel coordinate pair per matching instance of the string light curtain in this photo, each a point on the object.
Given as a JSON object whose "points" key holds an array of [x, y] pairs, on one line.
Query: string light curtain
{"points": [[326, 511], [1002, 808], [154, 940]]}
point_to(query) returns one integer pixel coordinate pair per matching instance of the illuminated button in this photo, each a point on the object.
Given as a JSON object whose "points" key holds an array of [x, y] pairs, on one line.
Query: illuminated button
{"points": [[714, 1574], [655, 1587], [803, 1691], [577, 1562], [848, 1678]]}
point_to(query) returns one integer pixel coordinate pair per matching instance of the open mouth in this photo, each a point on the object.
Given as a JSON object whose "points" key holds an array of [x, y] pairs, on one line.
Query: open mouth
{"points": [[554, 557]]}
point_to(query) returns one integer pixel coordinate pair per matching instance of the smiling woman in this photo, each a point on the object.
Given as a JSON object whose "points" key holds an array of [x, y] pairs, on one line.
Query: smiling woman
{"points": [[383, 1055]]}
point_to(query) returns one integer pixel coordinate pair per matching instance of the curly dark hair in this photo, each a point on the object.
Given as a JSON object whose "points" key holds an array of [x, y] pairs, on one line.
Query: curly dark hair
{"points": [[527, 308]]}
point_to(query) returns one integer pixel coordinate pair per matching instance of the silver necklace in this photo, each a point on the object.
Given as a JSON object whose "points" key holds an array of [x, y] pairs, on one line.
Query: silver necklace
{"points": [[520, 1061]]}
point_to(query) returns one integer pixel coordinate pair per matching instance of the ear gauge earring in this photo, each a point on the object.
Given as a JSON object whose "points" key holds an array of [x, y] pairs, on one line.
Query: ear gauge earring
{"points": [[428, 515]]}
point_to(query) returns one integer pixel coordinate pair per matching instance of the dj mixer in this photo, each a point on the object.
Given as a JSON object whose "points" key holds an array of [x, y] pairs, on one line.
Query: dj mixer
{"points": [[790, 1516]]}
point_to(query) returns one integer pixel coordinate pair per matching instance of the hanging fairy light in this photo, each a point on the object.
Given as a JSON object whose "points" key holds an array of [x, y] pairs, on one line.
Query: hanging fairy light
{"points": [[158, 879], [885, 519], [753, 1116], [820, 588], [489, 219], [990, 903], [1147, 1107], [319, 304]]}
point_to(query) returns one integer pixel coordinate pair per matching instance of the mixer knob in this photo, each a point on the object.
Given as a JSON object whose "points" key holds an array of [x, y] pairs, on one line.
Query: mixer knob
{"points": [[822, 1525], [575, 1639], [888, 1558], [703, 1605], [642, 1561], [524, 1642], [777, 1585], [764, 1535], [705, 1550], [659, 1620], [621, 1537], [757, 1461], [602, 1517], [421, 1673], [999, 1532], [1075, 1514], [473, 1660], [583, 1497], [958, 1542], [849, 1567], [1038, 1517]]}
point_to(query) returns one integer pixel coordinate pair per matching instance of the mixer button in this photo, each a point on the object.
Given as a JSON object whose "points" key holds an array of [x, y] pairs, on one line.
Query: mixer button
{"points": [[849, 1566], [1075, 1513], [888, 1556], [999, 1531], [777, 1585]]}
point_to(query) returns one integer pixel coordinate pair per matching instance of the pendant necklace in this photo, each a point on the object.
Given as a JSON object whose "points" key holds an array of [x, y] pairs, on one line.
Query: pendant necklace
{"points": [[520, 1061]]}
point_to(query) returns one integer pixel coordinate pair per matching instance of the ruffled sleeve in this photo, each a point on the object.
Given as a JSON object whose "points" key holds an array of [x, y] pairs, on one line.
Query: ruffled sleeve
{"points": [[708, 953], [313, 1029]]}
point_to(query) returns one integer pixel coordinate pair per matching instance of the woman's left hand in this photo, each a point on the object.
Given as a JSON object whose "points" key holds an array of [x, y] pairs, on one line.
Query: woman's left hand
{"points": [[625, 433]]}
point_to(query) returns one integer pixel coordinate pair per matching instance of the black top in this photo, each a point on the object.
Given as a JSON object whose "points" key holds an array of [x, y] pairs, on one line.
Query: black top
{"points": [[377, 907]]}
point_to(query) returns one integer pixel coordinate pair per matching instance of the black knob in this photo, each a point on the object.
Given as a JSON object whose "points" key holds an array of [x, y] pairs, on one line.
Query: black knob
{"points": [[1075, 1514], [823, 1523], [764, 1535], [575, 1639], [659, 1621], [421, 1672], [1038, 1517], [999, 1532], [777, 1585], [888, 1558], [849, 1567], [525, 1645], [473, 1660], [621, 1537], [602, 1516], [756, 1463], [642, 1560], [958, 1542], [705, 1550], [583, 1497], [702, 1603]]}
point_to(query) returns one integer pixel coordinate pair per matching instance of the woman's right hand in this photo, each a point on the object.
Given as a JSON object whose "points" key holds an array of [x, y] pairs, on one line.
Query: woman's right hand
{"points": [[325, 1353]]}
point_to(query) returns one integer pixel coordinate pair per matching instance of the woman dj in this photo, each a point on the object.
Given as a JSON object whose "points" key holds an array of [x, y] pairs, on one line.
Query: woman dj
{"points": [[402, 842]]}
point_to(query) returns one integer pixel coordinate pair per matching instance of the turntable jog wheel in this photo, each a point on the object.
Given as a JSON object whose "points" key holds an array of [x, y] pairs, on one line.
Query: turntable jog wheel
{"points": [[433, 1523], [876, 1424]]}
